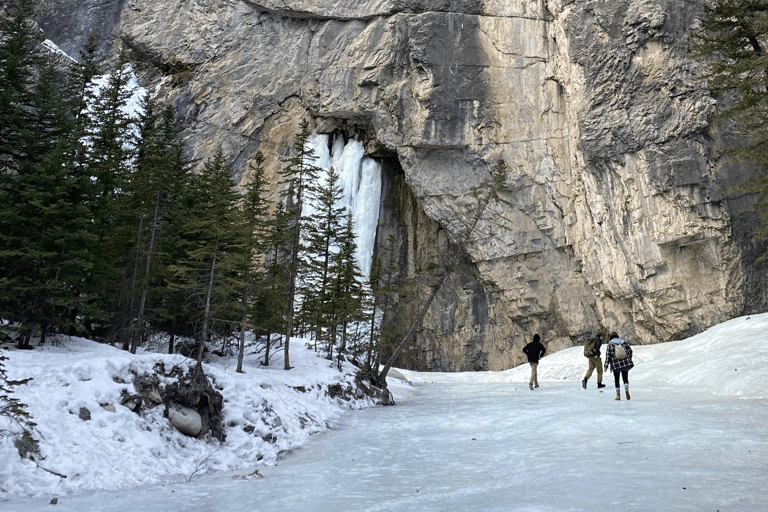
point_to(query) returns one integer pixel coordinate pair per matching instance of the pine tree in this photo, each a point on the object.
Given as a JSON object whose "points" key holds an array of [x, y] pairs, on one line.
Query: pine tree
{"points": [[298, 175], [212, 238], [44, 212], [16, 81], [81, 78], [53, 216], [322, 243], [110, 138], [349, 291], [255, 211], [733, 43], [161, 174], [271, 297]]}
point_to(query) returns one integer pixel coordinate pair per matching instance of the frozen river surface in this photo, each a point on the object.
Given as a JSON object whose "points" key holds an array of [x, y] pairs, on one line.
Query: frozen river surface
{"points": [[459, 444]]}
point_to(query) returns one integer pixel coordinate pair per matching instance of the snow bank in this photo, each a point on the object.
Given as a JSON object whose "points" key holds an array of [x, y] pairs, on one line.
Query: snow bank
{"points": [[267, 411]]}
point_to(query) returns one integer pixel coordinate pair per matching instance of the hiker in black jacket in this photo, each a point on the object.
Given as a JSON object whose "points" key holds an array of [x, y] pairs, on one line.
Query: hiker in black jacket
{"points": [[535, 351]]}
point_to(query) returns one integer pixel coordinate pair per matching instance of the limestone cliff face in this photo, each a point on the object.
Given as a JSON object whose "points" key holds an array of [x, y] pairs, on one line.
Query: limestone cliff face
{"points": [[614, 214]]}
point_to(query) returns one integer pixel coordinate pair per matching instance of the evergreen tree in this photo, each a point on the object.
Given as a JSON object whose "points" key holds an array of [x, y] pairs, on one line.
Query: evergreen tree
{"points": [[299, 174], [349, 292], [271, 297], [16, 82], [110, 138], [322, 242], [212, 238], [54, 216], [10, 406], [733, 43], [44, 212], [81, 79], [160, 176], [255, 211]]}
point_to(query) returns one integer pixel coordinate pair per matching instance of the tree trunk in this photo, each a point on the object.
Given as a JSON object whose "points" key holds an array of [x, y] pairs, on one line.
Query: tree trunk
{"points": [[172, 337], [422, 314], [43, 332], [241, 346], [292, 290], [145, 281], [206, 315], [128, 340]]}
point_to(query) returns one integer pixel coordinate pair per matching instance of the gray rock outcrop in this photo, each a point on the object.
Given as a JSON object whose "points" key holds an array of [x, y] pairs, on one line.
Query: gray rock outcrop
{"points": [[615, 213]]}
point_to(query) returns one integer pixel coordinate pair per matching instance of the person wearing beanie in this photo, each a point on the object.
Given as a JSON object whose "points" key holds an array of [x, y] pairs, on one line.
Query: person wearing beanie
{"points": [[535, 351], [618, 356]]}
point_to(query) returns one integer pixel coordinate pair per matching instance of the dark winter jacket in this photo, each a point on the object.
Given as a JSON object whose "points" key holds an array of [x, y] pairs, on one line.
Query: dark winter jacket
{"points": [[598, 344], [534, 350], [615, 363]]}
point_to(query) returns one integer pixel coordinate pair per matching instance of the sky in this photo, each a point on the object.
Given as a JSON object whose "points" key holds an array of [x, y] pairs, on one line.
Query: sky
{"points": [[694, 436]]}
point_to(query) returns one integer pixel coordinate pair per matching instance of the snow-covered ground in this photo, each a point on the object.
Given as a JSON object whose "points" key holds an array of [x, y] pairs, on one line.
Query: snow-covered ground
{"points": [[693, 437], [268, 411]]}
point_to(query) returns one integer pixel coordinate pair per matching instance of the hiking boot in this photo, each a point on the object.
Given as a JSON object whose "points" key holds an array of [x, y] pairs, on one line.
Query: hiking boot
{"points": [[600, 385], [584, 383], [530, 386], [535, 385], [618, 396], [627, 393]]}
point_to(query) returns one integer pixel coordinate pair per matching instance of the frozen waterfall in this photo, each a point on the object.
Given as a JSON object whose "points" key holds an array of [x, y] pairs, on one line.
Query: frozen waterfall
{"points": [[360, 179]]}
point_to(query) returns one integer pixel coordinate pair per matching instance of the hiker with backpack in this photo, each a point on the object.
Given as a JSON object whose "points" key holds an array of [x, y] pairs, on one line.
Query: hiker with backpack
{"points": [[618, 355], [592, 353], [535, 351]]}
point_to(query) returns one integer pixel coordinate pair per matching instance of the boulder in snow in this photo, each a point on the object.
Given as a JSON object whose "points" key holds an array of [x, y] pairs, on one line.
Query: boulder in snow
{"points": [[185, 420]]}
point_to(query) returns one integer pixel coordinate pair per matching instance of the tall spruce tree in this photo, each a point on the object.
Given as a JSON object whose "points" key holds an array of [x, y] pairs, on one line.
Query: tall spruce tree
{"points": [[160, 176], [17, 62], [212, 238], [322, 242], [255, 211], [16, 82], [45, 214], [53, 214], [110, 137], [350, 291], [732, 41], [271, 297], [298, 175]]}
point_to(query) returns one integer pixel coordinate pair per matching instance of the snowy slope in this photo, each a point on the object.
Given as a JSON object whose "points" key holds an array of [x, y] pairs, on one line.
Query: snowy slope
{"points": [[265, 415]]}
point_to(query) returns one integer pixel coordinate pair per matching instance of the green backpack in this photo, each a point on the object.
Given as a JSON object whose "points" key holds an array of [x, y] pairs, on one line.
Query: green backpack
{"points": [[589, 347]]}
